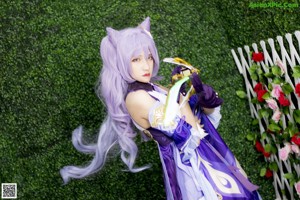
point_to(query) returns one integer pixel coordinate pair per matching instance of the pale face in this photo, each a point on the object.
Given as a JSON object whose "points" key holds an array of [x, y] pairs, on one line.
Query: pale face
{"points": [[142, 67]]}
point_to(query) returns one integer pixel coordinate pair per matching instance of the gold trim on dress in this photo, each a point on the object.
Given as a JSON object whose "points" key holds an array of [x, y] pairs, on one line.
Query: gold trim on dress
{"points": [[158, 116]]}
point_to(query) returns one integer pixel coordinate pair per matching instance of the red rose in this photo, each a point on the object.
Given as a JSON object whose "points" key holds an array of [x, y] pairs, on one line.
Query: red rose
{"points": [[297, 89], [259, 87], [257, 57], [269, 173], [266, 154], [283, 100], [260, 94], [259, 146], [296, 139]]}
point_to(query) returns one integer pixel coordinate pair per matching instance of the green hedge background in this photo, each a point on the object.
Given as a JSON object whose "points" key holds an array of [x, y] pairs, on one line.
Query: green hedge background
{"points": [[49, 64]]}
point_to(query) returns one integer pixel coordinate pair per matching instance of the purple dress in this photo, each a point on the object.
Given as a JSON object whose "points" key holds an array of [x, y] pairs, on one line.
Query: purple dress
{"points": [[211, 173]]}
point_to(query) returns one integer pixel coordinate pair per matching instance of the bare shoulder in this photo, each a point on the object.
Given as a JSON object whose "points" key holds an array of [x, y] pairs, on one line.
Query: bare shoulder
{"points": [[138, 104], [139, 98]]}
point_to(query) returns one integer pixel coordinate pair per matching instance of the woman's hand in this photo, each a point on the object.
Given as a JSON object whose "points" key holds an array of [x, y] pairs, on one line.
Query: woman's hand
{"points": [[207, 97]]}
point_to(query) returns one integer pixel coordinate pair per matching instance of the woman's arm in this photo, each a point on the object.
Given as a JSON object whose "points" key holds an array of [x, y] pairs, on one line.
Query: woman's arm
{"points": [[208, 111], [140, 103]]}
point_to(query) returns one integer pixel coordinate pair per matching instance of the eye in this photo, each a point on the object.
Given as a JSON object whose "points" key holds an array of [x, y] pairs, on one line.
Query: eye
{"points": [[135, 60], [150, 57]]}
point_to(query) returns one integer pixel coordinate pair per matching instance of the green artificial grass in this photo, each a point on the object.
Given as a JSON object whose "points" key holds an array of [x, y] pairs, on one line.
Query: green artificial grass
{"points": [[49, 65]]}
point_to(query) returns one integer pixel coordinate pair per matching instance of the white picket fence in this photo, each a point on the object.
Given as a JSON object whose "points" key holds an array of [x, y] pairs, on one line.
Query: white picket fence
{"points": [[289, 56]]}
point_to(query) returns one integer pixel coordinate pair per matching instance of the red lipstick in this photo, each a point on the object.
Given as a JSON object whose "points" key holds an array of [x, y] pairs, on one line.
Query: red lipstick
{"points": [[146, 75]]}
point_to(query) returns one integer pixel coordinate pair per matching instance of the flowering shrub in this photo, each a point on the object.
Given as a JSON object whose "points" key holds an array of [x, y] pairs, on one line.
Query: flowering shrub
{"points": [[273, 97]]}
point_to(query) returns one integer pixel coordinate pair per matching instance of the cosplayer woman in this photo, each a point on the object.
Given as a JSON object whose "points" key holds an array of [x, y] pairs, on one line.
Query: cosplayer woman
{"points": [[196, 162]]}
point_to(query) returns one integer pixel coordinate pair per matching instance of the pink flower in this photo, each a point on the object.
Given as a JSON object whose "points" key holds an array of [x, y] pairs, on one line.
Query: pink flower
{"points": [[280, 64], [295, 148], [276, 116], [284, 152], [276, 91], [272, 104], [297, 187]]}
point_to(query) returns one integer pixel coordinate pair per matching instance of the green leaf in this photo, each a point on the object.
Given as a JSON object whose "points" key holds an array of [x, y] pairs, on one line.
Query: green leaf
{"points": [[241, 94], [280, 123], [266, 95], [254, 77], [274, 127], [270, 86], [253, 68], [286, 110], [263, 172], [296, 75], [287, 88], [288, 175], [296, 69], [292, 182], [254, 101], [296, 72], [276, 71], [273, 166], [261, 78], [255, 122], [293, 127], [250, 136], [296, 116], [277, 80], [274, 149], [269, 75], [263, 135], [268, 148], [285, 136], [263, 113]]}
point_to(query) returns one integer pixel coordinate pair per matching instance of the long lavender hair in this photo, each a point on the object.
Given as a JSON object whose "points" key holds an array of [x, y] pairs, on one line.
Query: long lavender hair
{"points": [[117, 50]]}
